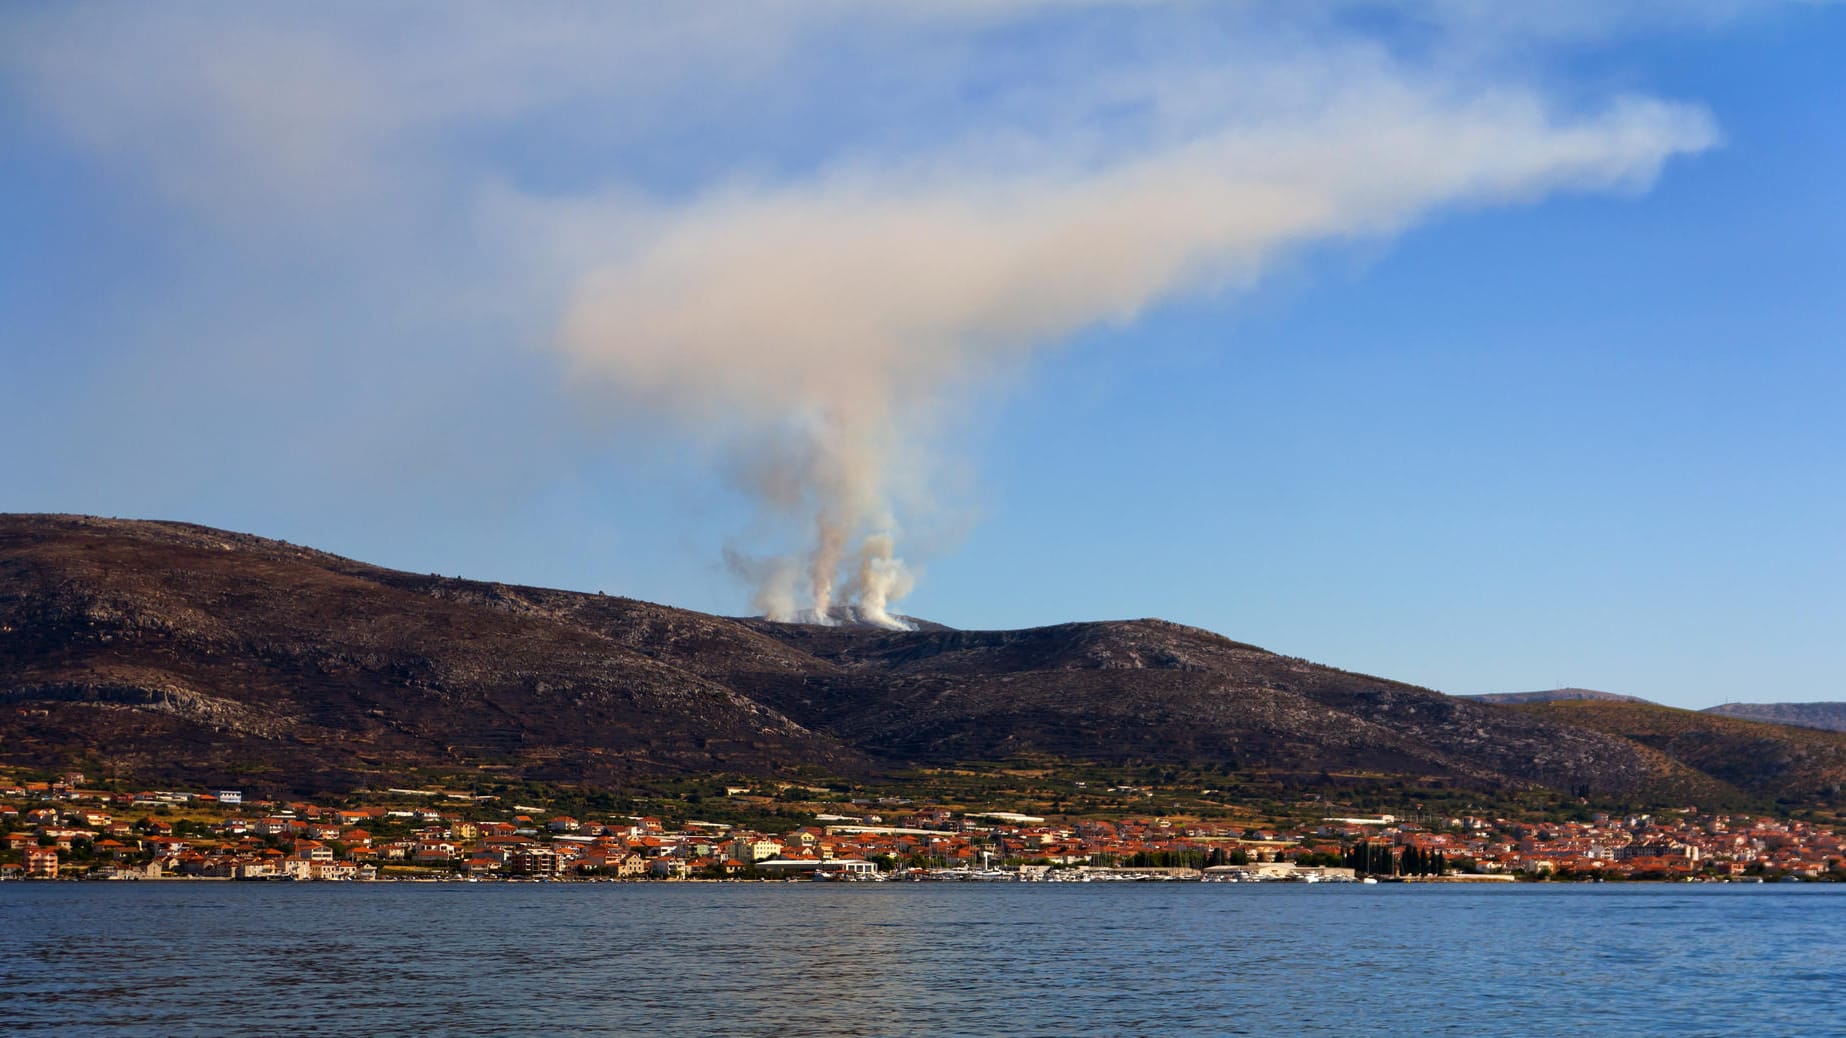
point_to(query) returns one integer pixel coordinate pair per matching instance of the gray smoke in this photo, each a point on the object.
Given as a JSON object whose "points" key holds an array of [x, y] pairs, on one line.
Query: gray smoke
{"points": [[824, 318]]}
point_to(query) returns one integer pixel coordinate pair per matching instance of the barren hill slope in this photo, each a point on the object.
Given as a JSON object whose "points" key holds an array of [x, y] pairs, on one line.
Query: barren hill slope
{"points": [[1796, 765], [171, 651], [163, 648], [1153, 690]]}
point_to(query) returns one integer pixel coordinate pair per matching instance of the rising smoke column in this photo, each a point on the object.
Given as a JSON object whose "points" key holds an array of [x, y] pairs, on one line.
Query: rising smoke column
{"points": [[812, 324]]}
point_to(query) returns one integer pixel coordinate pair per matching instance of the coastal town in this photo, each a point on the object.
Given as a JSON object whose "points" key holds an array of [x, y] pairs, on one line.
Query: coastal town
{"points": [[64, 829]]}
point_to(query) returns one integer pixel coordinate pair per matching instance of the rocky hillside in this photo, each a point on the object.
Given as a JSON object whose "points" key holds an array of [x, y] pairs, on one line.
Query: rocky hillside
{"points": [[1795, 765], [166, 650], [1152, 690]]}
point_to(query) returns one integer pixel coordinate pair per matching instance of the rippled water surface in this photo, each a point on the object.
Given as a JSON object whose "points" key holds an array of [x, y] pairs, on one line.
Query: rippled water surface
{"points": [[811, 959]]}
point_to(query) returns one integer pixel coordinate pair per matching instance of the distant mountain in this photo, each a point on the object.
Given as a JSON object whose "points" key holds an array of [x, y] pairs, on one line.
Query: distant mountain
{"points": [[173, 652], [1554, 695], [1827, 716]]}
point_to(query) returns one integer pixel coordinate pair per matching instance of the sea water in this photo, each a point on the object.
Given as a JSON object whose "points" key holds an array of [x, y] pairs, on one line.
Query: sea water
{"points": [[886, 959]]}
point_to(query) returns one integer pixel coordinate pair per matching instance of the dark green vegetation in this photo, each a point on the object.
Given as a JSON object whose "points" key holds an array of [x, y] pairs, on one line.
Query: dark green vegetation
{"points": [[1035, 786], [166, 652]]}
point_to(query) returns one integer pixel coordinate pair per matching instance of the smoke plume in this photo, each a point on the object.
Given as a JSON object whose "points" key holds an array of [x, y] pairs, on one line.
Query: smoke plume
{"points": [[824, 318], [813, 324]]}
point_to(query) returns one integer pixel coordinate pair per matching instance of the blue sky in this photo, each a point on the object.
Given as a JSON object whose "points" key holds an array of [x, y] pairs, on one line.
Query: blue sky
{"points": [[1484, 348]]}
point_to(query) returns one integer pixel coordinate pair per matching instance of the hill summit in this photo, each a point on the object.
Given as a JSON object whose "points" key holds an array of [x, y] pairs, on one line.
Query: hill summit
{"points": [[1555, 695]]}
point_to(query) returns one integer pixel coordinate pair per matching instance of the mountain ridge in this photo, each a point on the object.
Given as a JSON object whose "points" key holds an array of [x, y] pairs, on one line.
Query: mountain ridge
{"points": [[161, 649], [1554, 695], [1827, 716]]}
